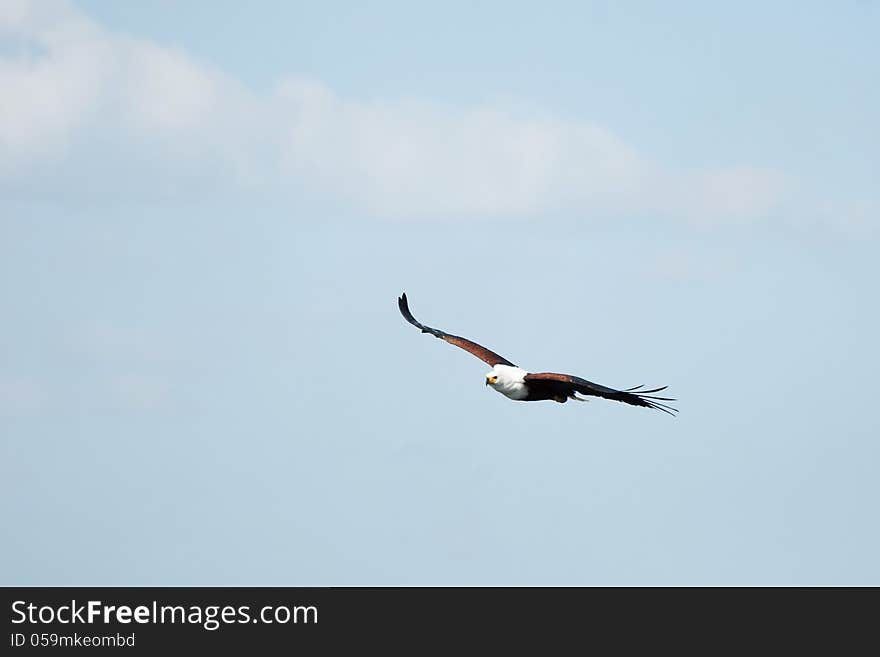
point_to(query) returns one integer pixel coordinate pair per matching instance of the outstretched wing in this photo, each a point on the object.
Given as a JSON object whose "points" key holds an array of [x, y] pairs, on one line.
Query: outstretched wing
{"points": [[480, 352], [566, 384]]}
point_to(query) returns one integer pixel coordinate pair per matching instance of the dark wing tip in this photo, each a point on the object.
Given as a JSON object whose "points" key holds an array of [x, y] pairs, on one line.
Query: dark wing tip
{"points": [[403, 304], [638, 396], [656, 402]]}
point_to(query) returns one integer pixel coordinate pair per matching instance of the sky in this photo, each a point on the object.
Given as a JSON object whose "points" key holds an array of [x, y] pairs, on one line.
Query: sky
{"points": [[207, 214]]}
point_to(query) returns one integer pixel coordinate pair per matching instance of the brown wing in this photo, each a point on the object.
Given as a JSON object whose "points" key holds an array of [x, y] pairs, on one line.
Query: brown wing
{"points": [[547, 384], [480, 352]]}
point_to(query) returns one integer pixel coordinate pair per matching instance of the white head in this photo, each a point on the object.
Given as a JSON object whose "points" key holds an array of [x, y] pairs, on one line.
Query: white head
{"points": [[507, 380]]}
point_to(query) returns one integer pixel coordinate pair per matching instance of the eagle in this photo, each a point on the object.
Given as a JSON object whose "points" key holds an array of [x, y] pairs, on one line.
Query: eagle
{"points": [[515, 383]]}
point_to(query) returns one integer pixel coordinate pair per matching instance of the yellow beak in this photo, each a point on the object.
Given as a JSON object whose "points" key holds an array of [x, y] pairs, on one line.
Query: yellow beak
{"points": [[491, 379]]}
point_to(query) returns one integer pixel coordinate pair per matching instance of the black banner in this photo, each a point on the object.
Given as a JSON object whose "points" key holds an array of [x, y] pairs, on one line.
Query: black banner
{"points": [[149, 620]]}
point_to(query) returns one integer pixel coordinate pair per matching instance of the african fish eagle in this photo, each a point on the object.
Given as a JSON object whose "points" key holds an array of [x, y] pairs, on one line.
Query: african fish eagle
{"points": [[515, 383]]}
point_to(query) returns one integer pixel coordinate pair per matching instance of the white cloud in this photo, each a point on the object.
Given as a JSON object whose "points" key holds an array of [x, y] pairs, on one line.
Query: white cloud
{"points": [[406, 157], [51, 80], [736, 194], [74, 92]]}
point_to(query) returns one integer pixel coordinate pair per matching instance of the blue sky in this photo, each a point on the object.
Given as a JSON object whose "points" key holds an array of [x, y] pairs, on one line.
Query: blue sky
{"points": [[207, 215]]}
